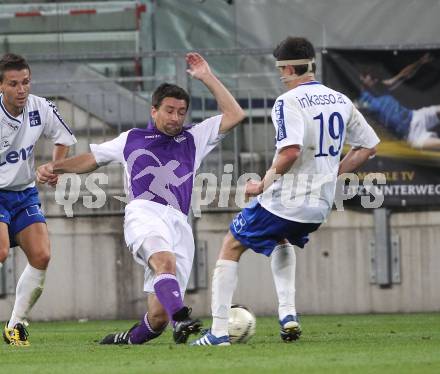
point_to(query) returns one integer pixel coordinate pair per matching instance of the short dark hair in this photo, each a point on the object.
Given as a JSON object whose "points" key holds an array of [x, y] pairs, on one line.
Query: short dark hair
{"points": [[295, 48], [169, 90], [371, 70], [11, 61]]}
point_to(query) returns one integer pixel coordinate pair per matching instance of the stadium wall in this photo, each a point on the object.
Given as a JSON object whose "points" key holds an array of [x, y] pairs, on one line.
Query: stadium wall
{"points": [[92, 274]]}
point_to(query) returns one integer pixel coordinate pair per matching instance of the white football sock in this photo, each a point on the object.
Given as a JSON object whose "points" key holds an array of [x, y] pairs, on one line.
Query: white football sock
{"points": [[29, 289], [224, 283], [283, 264]]}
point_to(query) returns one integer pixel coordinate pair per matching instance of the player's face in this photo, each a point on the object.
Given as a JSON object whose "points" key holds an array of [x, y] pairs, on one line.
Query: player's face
{"points": [[281, 71], [170, 115], [15, 88], [285, 74], [368, 80]]}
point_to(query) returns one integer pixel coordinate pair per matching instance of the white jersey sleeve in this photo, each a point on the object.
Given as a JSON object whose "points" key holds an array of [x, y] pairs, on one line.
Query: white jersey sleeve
{"points": [[359, 132], [110, 151], [206, 137], [55, 128], [289, 124]]}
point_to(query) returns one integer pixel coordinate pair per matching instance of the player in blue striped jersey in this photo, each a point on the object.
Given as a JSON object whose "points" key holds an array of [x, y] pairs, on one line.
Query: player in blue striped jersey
{"points": [[24, 118]]}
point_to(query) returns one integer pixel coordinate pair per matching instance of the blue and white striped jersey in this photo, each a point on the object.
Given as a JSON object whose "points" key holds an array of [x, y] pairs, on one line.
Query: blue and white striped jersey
{"points": [[18, 136]]}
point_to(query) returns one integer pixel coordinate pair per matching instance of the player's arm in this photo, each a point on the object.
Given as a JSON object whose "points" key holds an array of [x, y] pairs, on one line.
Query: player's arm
{"points": [[84, 163], [280, 166], [44, 174], [289, 140], [362, 138], [355, 158], [59, 152], [229, 107], [407, 72], [100, 155], [60, 134]]}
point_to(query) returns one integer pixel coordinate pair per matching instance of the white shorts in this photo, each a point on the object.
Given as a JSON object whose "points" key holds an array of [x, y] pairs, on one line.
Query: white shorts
{"points": [[423, 120], [156, 228]]}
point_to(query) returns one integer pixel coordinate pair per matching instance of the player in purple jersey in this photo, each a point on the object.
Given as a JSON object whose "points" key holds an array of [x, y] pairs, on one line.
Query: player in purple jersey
{"points": [[160, 162], [24, 118], [412, 125]]}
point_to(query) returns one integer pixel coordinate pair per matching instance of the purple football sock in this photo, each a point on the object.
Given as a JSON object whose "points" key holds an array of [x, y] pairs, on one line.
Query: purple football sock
{"points": [[143, 332], [168, 292]]}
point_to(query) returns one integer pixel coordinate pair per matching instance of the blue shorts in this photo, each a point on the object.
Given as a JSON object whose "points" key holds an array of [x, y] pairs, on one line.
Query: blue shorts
{"points": [[19, 209], [260, 230]]}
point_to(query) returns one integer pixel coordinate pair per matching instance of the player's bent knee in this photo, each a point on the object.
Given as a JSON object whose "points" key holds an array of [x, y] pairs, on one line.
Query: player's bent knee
{"points": [[40, 260], [167, 266], [163, 262], [231, 249]]}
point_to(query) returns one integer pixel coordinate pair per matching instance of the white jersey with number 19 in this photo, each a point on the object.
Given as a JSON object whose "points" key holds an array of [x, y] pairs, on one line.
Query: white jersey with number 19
{"points": [[320, 120], [18, 136]]}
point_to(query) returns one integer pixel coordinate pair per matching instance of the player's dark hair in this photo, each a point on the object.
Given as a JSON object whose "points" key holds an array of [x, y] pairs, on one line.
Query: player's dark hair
{"points": [[11, 61], [169, 90], [372, 70], [375, 72], [295, 48]]}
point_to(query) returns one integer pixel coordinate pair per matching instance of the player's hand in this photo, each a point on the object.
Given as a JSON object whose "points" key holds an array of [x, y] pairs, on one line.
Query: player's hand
{"points": [[53, 181], [253, 188], [197, 66], [426, 58], [45, 174]]}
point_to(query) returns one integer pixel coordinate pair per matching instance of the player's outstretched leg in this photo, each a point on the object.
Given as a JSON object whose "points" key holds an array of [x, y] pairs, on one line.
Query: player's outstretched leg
{"points": [[290, 328], [141, 332], [17, 335], [224, 282]]}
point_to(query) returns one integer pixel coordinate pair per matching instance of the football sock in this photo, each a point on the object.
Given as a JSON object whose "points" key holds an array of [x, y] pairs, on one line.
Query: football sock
{"points": [[283, 264], [431, 124], [224, 282], [167, 291], [29, 289], [143, 332]]}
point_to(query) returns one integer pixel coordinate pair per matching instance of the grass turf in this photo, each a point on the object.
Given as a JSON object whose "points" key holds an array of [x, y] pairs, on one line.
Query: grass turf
{"points": [[392, 343]]}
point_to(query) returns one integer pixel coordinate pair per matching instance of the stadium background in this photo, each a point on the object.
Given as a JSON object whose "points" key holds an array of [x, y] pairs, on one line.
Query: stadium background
{"points": [[100, 60]]}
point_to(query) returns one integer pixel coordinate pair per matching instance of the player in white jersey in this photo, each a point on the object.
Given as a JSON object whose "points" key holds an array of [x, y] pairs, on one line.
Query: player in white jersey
{"points": [[295, 196], [24, 118], [160, 164]]}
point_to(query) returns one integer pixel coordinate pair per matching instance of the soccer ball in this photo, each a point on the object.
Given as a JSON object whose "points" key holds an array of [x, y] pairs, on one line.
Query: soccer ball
{"points": [[242, 324]]}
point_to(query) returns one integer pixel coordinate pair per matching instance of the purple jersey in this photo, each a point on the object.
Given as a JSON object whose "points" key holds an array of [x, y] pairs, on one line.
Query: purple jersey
{"points": [[158, 167]]}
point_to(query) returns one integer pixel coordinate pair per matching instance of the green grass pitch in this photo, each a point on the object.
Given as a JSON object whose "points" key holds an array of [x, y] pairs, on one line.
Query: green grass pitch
{"points": [[391, 343]]}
